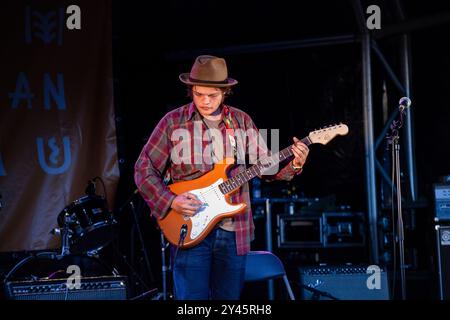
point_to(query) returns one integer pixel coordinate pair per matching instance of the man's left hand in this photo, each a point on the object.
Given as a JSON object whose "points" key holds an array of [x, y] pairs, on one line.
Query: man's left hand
{"points": [[300, 151]]}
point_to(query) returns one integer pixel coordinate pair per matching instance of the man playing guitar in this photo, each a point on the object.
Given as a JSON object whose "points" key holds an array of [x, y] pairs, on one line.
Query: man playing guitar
{"points": [[207, 216]]}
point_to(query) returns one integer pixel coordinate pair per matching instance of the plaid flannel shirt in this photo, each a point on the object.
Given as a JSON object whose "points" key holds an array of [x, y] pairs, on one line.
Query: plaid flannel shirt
{"points": [[155, 159]]}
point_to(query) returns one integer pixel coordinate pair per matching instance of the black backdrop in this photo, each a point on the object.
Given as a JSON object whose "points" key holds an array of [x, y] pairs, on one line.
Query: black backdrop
{"points": [[295, 90]]}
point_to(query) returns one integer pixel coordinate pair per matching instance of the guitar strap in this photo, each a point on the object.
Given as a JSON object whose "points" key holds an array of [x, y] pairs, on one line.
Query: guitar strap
{"points": [[229, 124], [167, 176]]}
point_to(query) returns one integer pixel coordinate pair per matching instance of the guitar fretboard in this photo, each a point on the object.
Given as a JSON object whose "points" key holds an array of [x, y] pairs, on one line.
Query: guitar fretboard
{"points": [[256, 170]]}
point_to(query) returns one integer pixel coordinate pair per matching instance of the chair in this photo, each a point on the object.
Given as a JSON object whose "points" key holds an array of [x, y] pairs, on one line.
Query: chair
{"points": [[264, 265]]}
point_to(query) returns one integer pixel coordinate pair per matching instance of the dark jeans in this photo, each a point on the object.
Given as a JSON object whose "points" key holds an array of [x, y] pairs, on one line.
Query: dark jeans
{"points": [[210, 270]]}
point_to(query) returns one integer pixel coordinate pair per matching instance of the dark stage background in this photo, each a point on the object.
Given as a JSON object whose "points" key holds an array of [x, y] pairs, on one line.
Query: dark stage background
{"points": [[295, 90]]}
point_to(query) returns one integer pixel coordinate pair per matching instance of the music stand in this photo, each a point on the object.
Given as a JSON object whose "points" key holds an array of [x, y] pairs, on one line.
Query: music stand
{"points": [[130, 203], [163, 246]]}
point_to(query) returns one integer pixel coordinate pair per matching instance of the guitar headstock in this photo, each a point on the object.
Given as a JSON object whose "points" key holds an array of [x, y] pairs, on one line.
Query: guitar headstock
{"points": [[326, 134]]}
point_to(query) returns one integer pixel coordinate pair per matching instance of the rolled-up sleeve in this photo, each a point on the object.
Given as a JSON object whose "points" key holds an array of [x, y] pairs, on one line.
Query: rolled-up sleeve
{"points": [[150, 168]]}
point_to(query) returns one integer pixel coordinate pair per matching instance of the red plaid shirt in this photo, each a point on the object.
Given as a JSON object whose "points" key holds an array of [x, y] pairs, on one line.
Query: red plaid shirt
{"points": [[155, 159]]}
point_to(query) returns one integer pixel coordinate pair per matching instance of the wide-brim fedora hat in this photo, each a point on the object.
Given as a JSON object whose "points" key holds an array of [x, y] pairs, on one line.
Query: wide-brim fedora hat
{"points": [[208, 71]]}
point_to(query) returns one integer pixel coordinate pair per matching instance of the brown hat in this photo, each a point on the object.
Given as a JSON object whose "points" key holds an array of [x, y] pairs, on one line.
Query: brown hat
{"points": [[208, 71]]}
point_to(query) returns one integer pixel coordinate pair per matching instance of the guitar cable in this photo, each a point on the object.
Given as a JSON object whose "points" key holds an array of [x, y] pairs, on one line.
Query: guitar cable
{"points": [[183, 233]]}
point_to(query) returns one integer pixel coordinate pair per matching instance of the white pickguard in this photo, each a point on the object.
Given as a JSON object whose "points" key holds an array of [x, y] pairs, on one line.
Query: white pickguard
{"points": [[214, 204]]}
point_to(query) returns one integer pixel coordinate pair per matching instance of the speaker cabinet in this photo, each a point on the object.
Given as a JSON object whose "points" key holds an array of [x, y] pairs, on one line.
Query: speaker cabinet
{"points": [[324, 230], [343, 283], [443, 254]]}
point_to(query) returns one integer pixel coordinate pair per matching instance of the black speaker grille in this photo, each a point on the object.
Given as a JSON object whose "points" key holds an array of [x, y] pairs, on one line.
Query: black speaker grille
{"points": [[95, 288], [342, 283]]}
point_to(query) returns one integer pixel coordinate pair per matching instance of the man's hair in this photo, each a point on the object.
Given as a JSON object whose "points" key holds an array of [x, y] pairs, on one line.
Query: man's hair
{"points": [[225, 90]]}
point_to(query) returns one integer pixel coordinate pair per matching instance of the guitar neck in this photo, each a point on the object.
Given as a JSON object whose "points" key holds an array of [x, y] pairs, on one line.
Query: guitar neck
{"points": [[256, 170]]}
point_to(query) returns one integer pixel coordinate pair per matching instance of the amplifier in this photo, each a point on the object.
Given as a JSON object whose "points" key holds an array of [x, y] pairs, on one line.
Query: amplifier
{"points": [[343, 283], [295, 231], [442, 202], [94, 288], [323, 230]]}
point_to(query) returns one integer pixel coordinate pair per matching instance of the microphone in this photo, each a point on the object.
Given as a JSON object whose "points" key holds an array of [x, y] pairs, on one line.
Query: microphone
{"points": [[404, 103]]}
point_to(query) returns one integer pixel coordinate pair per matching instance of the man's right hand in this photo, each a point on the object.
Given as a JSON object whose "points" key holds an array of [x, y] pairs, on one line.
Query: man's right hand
{"points": [[186, 204]]}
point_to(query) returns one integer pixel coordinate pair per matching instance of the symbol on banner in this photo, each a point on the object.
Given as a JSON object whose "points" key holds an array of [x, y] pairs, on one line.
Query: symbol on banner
{"points": [[54, 155], [2, 168], [47, 26]]}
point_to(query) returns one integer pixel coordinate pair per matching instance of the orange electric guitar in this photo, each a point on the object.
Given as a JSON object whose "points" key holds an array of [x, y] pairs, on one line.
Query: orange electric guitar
{"points": [[215, 187]]}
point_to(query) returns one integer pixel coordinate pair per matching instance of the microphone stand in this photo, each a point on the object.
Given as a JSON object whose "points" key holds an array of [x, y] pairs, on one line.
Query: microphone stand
{"points": [[141, 239], [316, 294], [145, 294], [164, 270], [164, 266], [393, 140]]}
